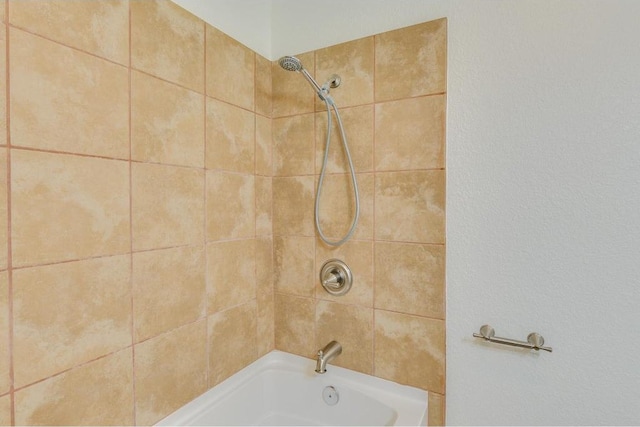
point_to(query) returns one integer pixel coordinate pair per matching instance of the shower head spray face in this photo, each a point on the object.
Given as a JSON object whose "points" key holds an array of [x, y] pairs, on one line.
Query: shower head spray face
{"points": [[290, 63]]}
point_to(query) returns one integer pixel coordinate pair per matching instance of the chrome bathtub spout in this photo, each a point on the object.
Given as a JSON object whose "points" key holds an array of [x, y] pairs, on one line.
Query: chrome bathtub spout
{"points": [[326, 355]]}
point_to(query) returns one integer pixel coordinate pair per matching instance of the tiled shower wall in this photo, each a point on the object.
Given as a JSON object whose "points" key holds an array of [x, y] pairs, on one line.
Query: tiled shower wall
{"points": [[393, 103], [135, 211], [136, 248]]}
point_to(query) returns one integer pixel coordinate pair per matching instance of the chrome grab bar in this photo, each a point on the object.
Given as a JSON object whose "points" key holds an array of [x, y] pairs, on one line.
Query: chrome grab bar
{"points": [[534, 339]]}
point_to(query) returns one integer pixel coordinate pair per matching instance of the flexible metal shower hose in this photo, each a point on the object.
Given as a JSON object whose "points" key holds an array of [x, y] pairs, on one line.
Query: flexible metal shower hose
{"points": [[329, 103]]}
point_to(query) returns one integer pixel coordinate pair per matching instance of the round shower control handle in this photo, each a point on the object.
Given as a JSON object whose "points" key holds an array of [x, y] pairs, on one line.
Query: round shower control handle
{"points": [[335, 277]]}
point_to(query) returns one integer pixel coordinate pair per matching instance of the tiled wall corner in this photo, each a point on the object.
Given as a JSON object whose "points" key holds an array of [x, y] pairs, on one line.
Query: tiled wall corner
{"points": [[138, 170], [161, 180], [394, 119]]}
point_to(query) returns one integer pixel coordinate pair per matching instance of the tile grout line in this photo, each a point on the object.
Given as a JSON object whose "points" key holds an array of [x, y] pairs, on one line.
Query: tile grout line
{"points": [[131, 280], [373, 219], [205, 216], [10, 293]]}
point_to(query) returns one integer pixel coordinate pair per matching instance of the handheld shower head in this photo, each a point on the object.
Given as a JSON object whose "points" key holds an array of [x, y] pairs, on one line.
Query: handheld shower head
{"points": [[290, 63]]}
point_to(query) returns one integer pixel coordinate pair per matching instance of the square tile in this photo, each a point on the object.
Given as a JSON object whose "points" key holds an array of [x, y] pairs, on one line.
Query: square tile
{"points": [[171, 370], [293, 145], [358, 127], [167, 206], [230, 138], [410, 350], [67, 207], [167, 42], [410, 206], [230, 70], [264, 92], [337, 206], [295, 325], [354, 62], [97, 27], [411, 61], [264, 205], [72, 398], [294, 271], [293, 203], [231, 206], [66, 100], [264, 149], [49, 302], [169, 289], [231, 274], [356, 339], [410, 134], [167, 122], [410, 278], [233, 341]]}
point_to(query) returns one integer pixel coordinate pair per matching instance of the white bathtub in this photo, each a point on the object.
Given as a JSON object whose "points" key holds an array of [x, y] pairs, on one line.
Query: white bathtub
{"points": [[283, 389]]}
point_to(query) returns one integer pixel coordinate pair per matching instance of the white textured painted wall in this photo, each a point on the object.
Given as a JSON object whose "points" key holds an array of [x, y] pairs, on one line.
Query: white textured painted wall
{"points": [[543, 206], [248, 21]]}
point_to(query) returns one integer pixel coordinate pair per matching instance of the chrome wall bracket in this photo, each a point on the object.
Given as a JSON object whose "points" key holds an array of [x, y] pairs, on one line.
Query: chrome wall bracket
{"points": [[336, 277], [535, 341]]}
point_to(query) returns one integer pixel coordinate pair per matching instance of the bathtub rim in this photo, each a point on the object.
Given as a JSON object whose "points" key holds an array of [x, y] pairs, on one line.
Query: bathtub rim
{"points": [[409, 402]]}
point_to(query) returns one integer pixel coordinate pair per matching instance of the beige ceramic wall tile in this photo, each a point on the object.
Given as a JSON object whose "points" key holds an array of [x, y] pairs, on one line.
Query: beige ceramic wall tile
{"points": [[410, 350], [3, 85], [410, 278], [410, 206], [2, 12], [295, 325], [264, 265], [264, 151], [352, 327], [167, 122], [264, 295], [169, 289], [66, 100], [337, 206], [73, 398], [230, 137], [5, 410], [293, 145], [49, 303], [410, 134], [292, 94], [5, 380], [101, 28], [231, 274], [232, 341], [358, 127], [264, 202], [171, 370], [264, 92], [436, 410], [4, 212], [358, 255], [167, 206], [294, 265], [411, 61], [354, 63], [230, 69], [293, 200], [231, 210], [168, 42], [67, 207]]}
